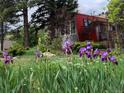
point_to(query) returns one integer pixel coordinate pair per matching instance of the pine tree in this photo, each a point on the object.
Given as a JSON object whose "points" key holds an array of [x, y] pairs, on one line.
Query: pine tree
{"points": [[7, 15], [22, 6], [56, 15]]}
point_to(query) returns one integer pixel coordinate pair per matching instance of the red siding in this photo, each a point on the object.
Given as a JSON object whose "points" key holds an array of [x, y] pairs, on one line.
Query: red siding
{"points": [[86, 33]]}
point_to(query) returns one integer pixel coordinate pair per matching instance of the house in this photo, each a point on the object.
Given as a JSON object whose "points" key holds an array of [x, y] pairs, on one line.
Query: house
{"points": [[86, 27]]}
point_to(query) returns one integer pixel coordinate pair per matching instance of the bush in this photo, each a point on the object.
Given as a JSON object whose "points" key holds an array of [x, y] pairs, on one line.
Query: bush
{"points": [[43, 40], [17, 50], [56, 43], [78, 45], [42, 48], [98, 45]]}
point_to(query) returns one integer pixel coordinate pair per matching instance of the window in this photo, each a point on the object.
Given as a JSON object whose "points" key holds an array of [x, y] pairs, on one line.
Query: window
{"points": [[87, 22], [103, 32]]}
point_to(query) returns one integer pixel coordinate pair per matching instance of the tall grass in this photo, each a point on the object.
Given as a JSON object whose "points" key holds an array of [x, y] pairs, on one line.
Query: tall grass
{"points": [[50, 76]]}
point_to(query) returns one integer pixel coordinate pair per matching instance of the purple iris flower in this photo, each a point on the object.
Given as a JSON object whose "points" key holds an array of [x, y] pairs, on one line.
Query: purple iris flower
{"points": [[88, 54], [67, 46], [113, 60], [8, 59], [89, 47], [96, 53], [104, 56], [109, 50], [103, 59], [82, 51], [88, 43], [5, 53]]}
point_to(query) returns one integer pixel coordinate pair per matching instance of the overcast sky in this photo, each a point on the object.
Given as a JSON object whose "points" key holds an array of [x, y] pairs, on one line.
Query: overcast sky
{"points": [[88, 6]]}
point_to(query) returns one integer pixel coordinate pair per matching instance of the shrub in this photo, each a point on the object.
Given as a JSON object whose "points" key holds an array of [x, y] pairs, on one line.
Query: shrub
{"points": [[42, 47], [78, 45], [56, 43], [17, 50], [43, 41], [98, 45]]}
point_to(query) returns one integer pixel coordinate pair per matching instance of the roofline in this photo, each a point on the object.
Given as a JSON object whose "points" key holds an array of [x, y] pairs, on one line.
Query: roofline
{"points": [[90, 15]]}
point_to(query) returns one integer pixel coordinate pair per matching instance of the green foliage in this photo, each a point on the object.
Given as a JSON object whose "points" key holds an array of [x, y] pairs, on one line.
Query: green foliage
{"points": [[17, 50], [78, 45], [43, 41], [7, 15], [43, 48], [116, 11], [56, 44], [30, 51], [57, 76], [0, 53], [59, 13], [116, 51], [33, 39], [7, 11]]}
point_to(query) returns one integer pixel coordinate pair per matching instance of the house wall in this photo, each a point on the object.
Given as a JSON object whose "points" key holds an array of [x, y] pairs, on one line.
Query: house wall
{"points": [[87, 31]]}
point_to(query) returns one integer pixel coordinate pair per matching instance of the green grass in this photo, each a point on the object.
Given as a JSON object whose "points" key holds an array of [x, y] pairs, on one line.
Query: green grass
{"points": [[57, 75]]}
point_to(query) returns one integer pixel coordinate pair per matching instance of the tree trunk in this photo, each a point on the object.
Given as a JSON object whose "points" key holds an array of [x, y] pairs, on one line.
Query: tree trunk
{"points": [[36, 36], [108, 36], [26, 26], [2, 35], [117, 44]]}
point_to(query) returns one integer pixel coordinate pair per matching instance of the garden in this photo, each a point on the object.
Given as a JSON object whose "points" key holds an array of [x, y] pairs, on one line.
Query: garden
{"points": [[89, 71], [53, 51]]}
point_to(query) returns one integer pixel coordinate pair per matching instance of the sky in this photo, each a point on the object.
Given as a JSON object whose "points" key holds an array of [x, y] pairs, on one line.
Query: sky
{"points": [[92, 6]]}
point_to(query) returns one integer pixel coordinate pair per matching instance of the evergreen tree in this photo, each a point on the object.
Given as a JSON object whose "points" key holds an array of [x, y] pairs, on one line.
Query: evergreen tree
{"points": [[7, 15], [56, 14], [22, 6]]}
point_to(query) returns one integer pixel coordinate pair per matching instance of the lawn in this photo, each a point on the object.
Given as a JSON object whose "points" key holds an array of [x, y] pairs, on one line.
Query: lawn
{"points": [[57, 75]]}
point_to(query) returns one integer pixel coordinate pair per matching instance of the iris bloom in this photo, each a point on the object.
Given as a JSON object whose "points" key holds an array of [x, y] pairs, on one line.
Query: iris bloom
{"points": [[96, 53], [88, 51], [88, 54], [67, 46], [8, 59], [88, 43], [104, 56], [5, 53], [82, 51], [109, 50], [89, 47], [113, 60]]}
